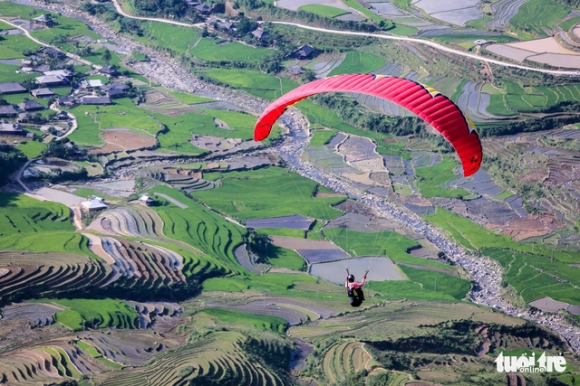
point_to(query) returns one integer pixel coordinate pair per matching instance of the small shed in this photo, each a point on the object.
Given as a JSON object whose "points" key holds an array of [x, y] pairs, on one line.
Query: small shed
{"points": [[144, 199], [30, 106], [94, 204]]}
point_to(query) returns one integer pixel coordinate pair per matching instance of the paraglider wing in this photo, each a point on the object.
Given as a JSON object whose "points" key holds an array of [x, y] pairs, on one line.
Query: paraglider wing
{"points": [[433, 107]]}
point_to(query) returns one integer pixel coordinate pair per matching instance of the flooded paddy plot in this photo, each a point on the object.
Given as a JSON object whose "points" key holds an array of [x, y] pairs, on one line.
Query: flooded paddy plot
{"points": [[38, 314], [557, 60], [481, 182], [361, 223], [320, 255], [394, 164], [65, 198], [515, 54], [419, 209], [425, 159], [548, 304], [475, 102], [503, 11], [326, 62], [451, 11], [214, 144], [311, 250], [121, 188], [289, 222], [549, 45], [382, 269]]}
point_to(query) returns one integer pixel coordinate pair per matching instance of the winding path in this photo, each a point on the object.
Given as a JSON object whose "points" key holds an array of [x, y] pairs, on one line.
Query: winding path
{"points": [[374, 35]]}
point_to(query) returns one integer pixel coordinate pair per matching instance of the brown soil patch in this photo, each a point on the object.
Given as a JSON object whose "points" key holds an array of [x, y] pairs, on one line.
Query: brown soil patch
{"points": [[122, 139], [531, 226], [326, 195], [534, 176], [390, 140], [4, 271]]}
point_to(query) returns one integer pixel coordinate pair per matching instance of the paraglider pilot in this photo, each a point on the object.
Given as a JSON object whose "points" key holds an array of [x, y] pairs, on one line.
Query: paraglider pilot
{"points": [[354, 290]]}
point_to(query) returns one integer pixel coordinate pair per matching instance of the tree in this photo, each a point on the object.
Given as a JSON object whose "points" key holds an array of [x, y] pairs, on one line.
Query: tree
{"points": [[107, 56]]}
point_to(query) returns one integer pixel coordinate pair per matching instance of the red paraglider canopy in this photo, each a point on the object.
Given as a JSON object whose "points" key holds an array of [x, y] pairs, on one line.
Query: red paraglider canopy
{"points": [[435, 108]]}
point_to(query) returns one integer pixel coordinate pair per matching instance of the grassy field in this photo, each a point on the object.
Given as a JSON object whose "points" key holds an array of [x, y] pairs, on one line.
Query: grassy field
{"points": [[323, 10], [430, 178], [535, 15], [122, 114], [32, 149], [358, 62], [23, 215], [244, 319], [13, 45], [83, 313], [268, 192], [181, 128], [8, 73], [256, 83], [213, 50]]}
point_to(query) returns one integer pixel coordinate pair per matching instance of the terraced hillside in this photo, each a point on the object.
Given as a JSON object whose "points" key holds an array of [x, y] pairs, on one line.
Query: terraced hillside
{"points": [[218, 358]]}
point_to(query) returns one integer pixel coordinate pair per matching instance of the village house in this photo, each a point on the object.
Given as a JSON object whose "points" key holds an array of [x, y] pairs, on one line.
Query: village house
{"points": [[11, 88], [42, 68], [43, 21], [52, 80], [11, 129], [63, 73], [91, 84], [147, 200], [51, 52], [304, 52], [66, 100], [94, 100], [94, 204], [8, 111], [260, 34], [225, 26], [203, 9], [108, 71], [30, 106], [42, 93], [116, 89], [62, 115]]}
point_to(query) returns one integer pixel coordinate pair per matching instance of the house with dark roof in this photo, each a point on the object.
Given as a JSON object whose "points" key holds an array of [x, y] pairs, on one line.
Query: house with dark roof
{"points": [[48, 51], [108, 70], [52, 80], [11, 88], [115, 89], [260, 34], [62, 115], [91, 84], [30, 106], [42, 93], [44, 20], [11, 128], [66, 100], [42, 68], [7, 111], [64, 73], [94, 100], [225, 26], [304, 52], [203, 9]]}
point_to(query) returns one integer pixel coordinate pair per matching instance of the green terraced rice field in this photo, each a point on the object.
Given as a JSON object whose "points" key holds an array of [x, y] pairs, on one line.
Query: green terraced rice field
{"points": [[390, 244], [176, 38], [358, 62], [473, 236], [322, 137], [430, 178], [93, 313], [270, 192], [199, 227], [189, 99], [323, 10], [213, 50], [262, 85], [244, 319], [535, 15]]}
